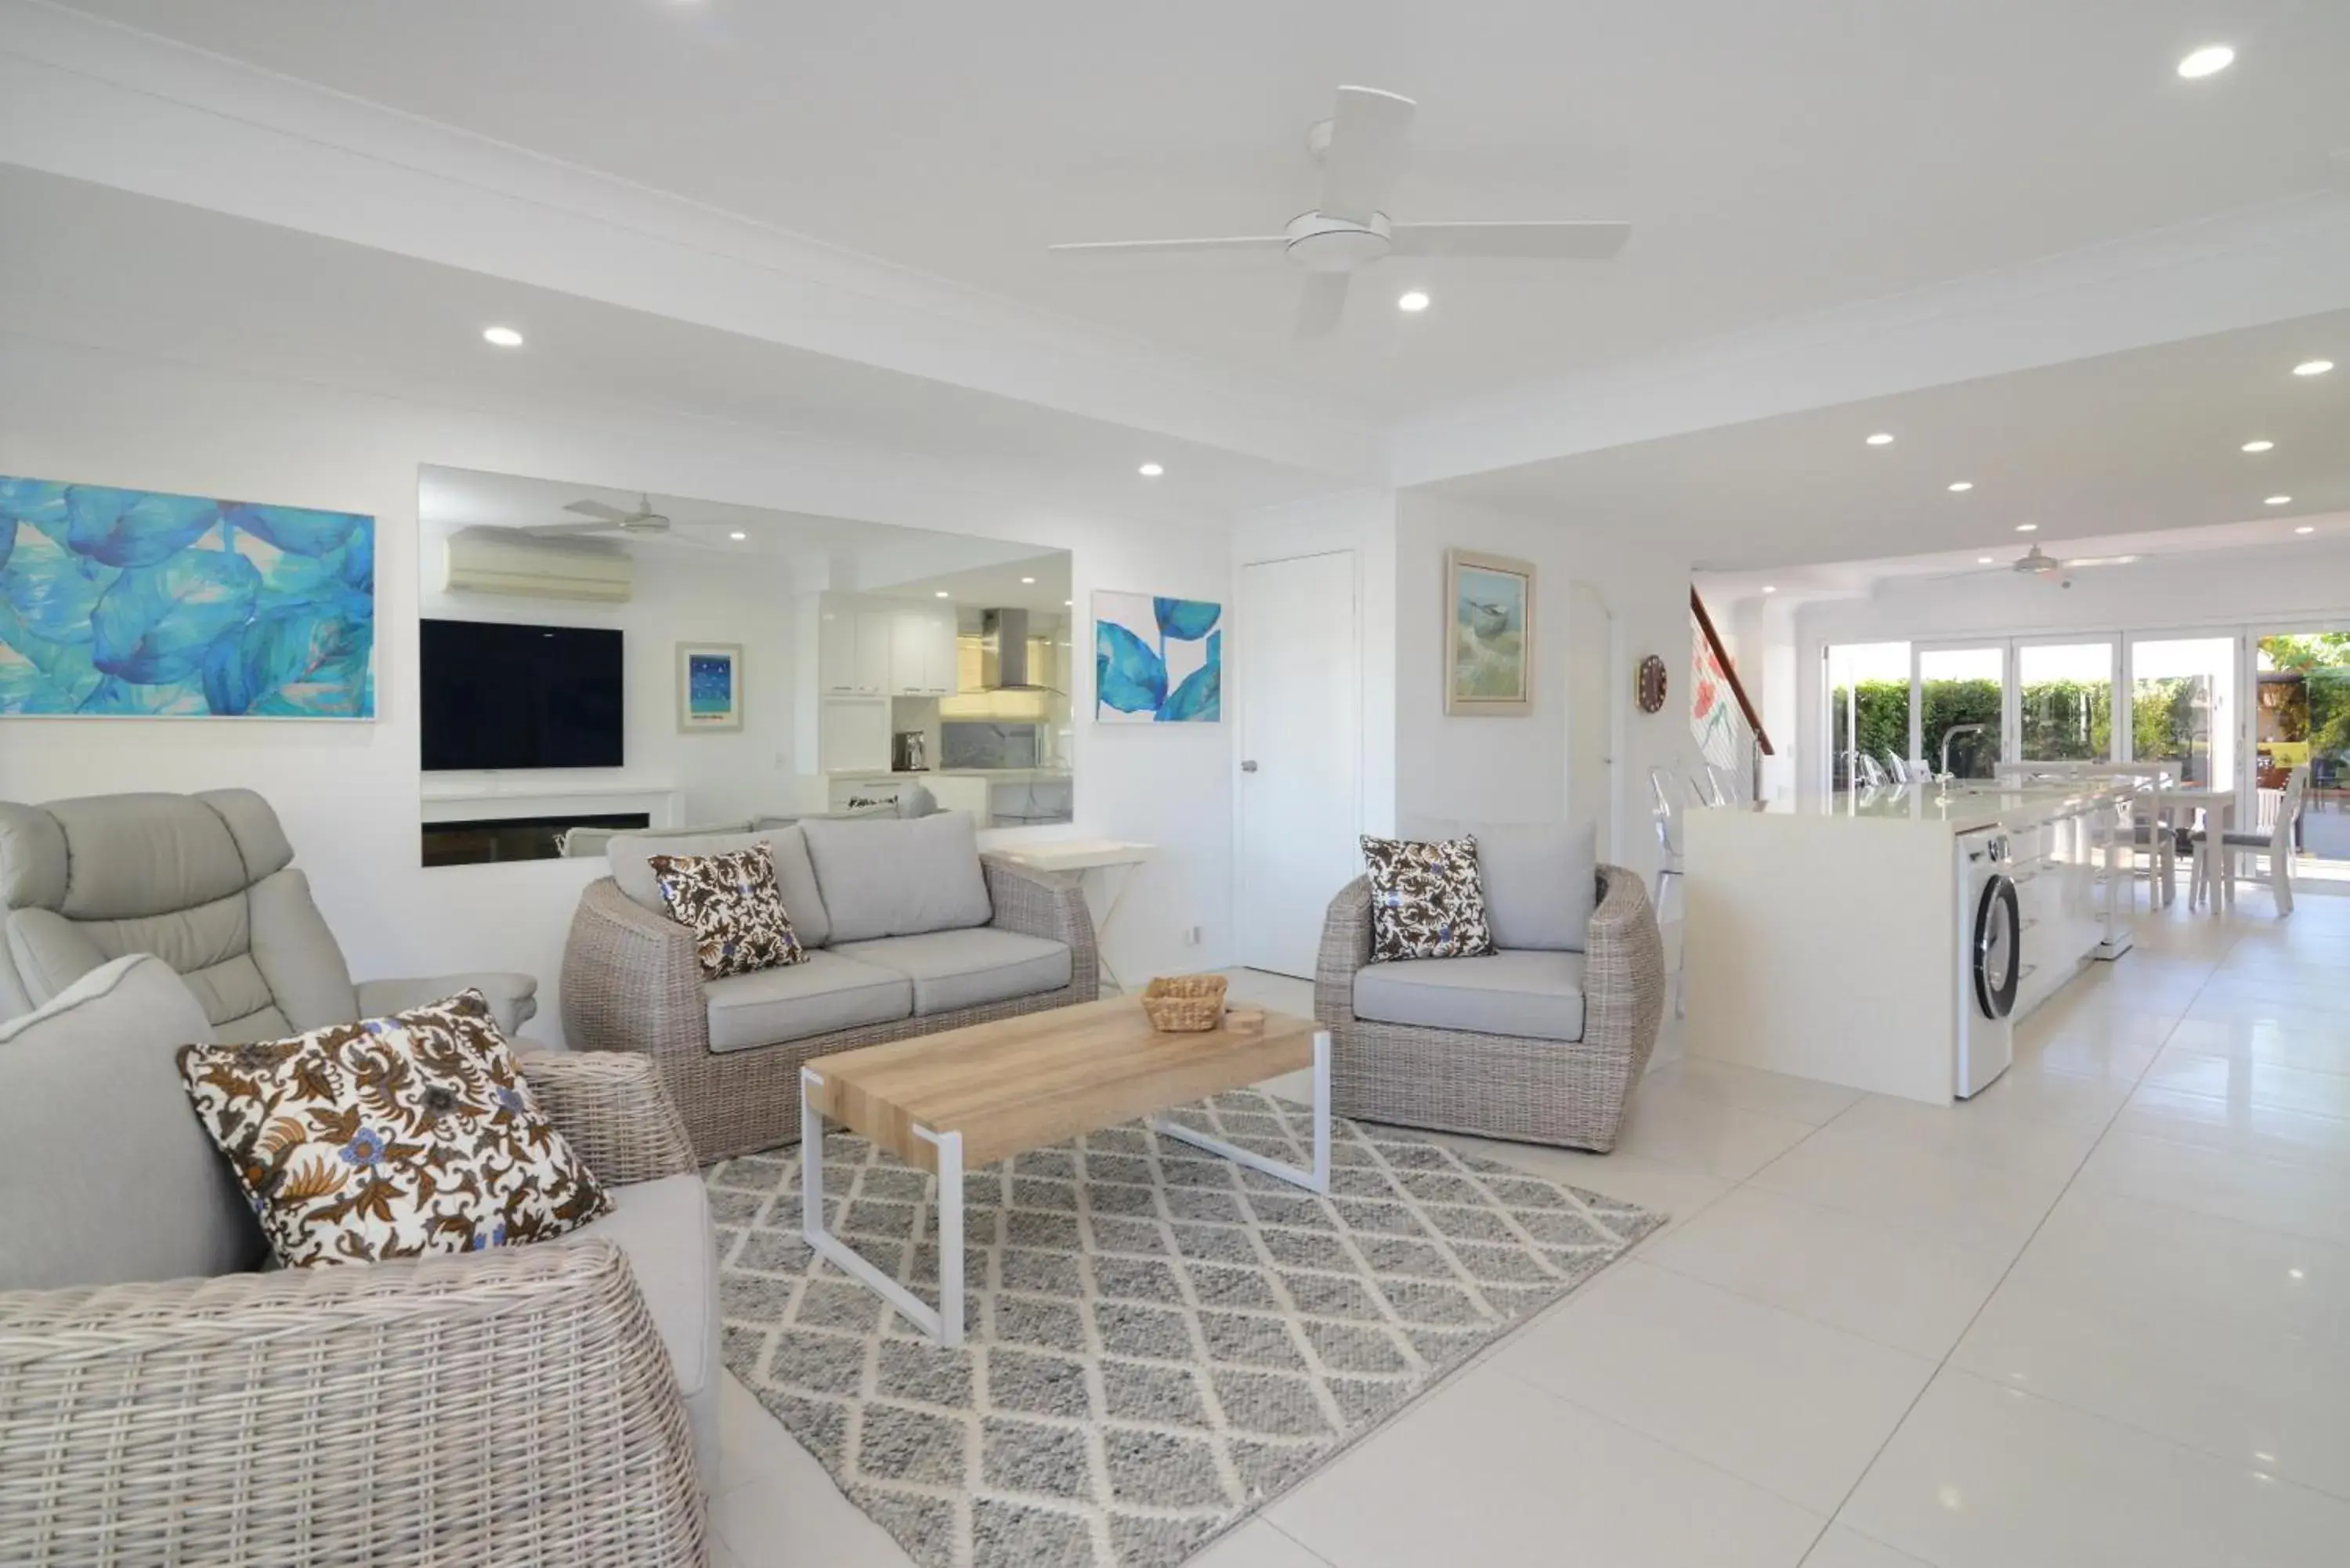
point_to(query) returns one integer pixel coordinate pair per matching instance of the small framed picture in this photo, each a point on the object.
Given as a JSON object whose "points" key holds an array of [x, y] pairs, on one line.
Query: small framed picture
{"points": [[709, 685], [1488, 623]]}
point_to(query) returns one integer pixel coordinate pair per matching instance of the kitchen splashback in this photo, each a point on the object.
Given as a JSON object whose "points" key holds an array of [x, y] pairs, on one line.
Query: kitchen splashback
{"points": [[966, 743]]}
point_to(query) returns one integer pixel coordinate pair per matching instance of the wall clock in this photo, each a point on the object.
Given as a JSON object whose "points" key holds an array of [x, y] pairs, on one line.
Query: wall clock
{"points": [[1651, 684]]}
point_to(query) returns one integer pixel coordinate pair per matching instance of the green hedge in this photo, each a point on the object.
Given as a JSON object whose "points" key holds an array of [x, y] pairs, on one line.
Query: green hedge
{"points": [[2064, 721]]}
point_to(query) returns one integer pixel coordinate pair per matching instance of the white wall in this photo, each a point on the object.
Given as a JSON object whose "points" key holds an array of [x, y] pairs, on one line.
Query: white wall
{"points": [[2304, 585], [349, 793], [1515, 769], [682, 595]]}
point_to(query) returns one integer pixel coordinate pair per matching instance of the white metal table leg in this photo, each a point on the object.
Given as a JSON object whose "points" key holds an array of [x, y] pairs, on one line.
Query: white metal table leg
{"points": [[1316, 1179], [944, 1325]]}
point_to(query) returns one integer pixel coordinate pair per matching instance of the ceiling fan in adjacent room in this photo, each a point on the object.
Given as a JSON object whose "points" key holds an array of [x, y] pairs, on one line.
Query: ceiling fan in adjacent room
{"points": [[2038, 563], [1361, 148], [608, 520]]}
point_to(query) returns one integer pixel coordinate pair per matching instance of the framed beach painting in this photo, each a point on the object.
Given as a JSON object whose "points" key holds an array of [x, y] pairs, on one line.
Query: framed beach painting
{"points": [[1489, 604], [146, 604], [709, 685], [1157, 661]]}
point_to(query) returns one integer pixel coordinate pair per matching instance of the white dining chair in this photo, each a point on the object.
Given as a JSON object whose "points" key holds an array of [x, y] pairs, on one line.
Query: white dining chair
{"points": [[2272, 837]]}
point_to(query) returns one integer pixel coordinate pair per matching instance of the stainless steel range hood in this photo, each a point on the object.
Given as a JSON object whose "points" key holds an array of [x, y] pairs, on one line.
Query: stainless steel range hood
{"points": [[1004, 651]]}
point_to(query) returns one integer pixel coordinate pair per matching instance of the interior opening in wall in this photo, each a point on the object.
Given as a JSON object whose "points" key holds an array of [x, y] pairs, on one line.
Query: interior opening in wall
{"points": [[593, 660]]}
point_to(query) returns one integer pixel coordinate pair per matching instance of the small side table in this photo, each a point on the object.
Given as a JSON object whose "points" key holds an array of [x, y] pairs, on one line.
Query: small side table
{"points": [[1092, 861]]}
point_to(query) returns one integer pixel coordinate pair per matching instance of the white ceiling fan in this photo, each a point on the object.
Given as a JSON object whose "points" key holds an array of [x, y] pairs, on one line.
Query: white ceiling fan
{"points": [[1361, 148], [608, 520], [2038, 563]]}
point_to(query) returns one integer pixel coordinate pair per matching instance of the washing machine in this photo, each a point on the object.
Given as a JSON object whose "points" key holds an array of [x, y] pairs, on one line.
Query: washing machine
{"points": [[1989, 960]]}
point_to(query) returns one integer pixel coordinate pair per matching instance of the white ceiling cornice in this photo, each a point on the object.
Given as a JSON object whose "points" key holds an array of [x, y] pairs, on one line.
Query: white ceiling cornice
{"points": [[95, 102], [2244, 269]]}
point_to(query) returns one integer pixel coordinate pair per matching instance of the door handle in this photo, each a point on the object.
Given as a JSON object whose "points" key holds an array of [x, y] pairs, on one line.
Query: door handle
{"points": [[1248, 767]]}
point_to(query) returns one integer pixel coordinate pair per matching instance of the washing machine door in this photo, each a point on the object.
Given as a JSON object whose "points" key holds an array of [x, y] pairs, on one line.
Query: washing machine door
{"points": [[1996, 947]]}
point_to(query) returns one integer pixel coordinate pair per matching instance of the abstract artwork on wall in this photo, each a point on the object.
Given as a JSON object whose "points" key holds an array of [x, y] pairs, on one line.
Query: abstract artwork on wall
{"points": [[1156, 660], [709, 685], [1489, 629], [143, 604]]}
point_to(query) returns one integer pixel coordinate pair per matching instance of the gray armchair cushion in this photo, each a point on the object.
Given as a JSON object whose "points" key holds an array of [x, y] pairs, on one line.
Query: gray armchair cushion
{"points": [[49, 953], [1532, 994], [1541, 879], [513, 998], [299, 957], [106, 1175], [629, 855], [663, 1227], [970, 968], [800, 1000], [893, 877]]}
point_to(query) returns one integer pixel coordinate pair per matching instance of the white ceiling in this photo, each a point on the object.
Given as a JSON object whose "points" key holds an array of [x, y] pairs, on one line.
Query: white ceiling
{"points": [[2127, 444], [1776, 159], [91, 264]]}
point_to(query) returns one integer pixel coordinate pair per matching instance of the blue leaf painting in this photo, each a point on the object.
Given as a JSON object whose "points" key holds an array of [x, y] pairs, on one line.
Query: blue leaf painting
{"points": [[134, 527], [1157, 660], [154, 624], [1200, 699], [1127, 675], [1186, 620], [125, 602]]}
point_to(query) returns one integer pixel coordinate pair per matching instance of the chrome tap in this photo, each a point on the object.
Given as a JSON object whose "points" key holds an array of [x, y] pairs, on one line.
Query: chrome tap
{"points": [[1958, 730]]}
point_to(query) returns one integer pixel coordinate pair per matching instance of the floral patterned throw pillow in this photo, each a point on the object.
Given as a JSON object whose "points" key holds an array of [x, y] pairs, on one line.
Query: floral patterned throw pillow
{"points": [[735, 907], [1427, 899], [391, 1137]]}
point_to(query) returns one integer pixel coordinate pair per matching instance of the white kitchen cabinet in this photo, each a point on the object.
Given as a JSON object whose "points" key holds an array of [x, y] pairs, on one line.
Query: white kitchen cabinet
{"points": [[853, 733], [922, 653], [852, 651]]}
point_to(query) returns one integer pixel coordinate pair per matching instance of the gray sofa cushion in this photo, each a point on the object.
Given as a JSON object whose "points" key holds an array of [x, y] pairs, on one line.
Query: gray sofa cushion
{"points": [[1532, 994], [825, 994], [969, 967], [893, 877], [1541, 879], [299, 957], [628, 854], [663, 1227], [105, 1175]]}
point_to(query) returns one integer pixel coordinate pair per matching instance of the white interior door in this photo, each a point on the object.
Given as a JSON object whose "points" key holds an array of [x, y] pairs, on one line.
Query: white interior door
{"points": [[1591, 687], [1297, 703]]}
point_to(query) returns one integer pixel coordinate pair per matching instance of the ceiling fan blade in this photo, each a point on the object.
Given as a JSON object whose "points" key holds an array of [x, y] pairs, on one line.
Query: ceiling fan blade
{"points": [[1366, 153], [1320, 303], [1545, 241], [565, 530], [2098, 561], [597, 509], [1151, 247]]}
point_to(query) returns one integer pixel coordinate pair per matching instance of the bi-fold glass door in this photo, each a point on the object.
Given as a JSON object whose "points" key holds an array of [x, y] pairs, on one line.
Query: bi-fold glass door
{"points": [[2065, 699], [2182, 704], [1959, 719]]}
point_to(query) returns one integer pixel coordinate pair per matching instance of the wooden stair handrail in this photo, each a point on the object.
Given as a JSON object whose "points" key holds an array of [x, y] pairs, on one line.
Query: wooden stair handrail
{"points": [[1737, 686]]}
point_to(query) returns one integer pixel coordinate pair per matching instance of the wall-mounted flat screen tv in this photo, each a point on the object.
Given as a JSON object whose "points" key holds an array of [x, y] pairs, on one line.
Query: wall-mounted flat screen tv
{"points": [[504, 696]]}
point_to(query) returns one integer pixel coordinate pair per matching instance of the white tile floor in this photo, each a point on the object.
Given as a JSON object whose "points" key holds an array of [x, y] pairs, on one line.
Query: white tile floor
{"points": [[2099, 1315]]}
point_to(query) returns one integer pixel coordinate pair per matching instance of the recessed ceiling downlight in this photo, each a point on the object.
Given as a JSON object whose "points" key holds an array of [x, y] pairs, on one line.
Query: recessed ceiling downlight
{"points": [[2259, 446], [1412, 299], [2312, 366], [2027, 527], [1983, 560], [1150, 471], [1027, 580], [1962, 485], [738, 535], [502, 336], [1768, 588], [2208, 61], [1882, 438], [939, 594], [2306, 528], [2280, 501]]}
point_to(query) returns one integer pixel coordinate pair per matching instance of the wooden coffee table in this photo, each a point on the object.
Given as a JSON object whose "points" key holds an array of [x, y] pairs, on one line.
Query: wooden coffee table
{"points": [[945, 1102]]}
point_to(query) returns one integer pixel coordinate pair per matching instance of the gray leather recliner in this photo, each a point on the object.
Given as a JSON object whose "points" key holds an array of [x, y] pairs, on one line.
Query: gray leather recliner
{"points": [[206, 883]]}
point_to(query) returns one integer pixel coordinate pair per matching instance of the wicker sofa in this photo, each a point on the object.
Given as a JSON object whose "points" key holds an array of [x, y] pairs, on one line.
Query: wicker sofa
{"points": [[910, 931], [162, 1401], [1531, 1047]]}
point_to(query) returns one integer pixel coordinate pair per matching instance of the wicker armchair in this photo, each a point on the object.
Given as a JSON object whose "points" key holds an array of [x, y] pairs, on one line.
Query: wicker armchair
{"points": [[509, 1407], [632, 984], [1566, 1092]]}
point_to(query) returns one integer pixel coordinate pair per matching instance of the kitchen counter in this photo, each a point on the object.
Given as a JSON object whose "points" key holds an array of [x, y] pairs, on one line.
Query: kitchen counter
{"points": [[1827, 936], [1005, 775]]}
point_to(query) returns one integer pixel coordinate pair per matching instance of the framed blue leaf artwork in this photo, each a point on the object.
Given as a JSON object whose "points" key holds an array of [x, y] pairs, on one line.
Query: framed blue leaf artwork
{"points": [[1157, 661], [143, 604]]}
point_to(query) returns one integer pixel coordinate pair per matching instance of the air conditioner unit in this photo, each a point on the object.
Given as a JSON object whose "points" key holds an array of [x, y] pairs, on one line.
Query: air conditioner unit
{"points": [[494, 561]]}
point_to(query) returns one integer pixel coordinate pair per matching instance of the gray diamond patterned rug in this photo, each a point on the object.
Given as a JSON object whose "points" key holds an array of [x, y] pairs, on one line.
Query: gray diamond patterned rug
{"points": [[1160, 1341]]}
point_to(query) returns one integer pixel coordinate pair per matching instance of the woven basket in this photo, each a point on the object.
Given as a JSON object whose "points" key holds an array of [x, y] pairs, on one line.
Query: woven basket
{"points": [[1184, 1004]]}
